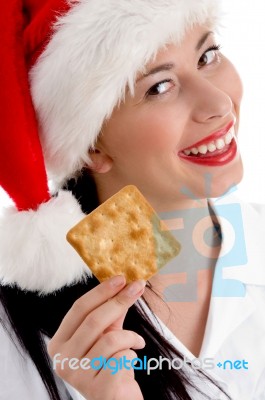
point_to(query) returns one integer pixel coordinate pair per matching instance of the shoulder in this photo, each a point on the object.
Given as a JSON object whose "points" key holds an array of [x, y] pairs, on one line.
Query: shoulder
{"points": [[19, 378], [16, 367]]}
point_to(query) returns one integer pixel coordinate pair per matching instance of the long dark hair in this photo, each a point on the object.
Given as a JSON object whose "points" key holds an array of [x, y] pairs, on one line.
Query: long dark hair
{"points": [[32, 315]]}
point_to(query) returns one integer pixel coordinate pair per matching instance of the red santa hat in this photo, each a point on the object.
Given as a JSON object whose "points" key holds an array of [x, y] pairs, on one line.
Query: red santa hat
{"points": [[65, 65]]}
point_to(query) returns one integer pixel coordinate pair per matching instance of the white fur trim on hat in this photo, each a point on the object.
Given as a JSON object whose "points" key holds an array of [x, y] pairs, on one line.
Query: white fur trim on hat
{"points": [[96, 51], [41, 259]]}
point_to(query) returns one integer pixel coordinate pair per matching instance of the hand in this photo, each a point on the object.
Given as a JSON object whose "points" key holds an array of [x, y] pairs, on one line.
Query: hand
{"points": [[93, 328]]}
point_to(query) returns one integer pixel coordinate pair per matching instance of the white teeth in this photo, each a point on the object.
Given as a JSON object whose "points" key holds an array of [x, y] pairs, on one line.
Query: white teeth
{"points": [[219, 144], [228, 138], [211, 147], [203, 149]]}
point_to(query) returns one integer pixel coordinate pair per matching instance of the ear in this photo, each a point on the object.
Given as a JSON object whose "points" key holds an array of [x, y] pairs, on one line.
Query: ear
{"points": [[101, 162]]}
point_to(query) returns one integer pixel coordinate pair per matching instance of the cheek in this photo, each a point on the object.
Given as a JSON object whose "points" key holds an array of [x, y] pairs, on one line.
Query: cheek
{"points": [[153, 132], [150, 132], [231, 84]]}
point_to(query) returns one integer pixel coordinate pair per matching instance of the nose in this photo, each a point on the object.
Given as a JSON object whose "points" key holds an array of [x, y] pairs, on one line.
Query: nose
{"points": [[209, 101]]}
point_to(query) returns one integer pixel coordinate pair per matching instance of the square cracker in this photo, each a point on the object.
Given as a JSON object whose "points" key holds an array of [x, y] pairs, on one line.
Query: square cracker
{"points": [[124, 236]]}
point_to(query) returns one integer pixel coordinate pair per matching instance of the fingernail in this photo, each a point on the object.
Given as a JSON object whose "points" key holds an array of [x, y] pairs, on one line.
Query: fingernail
{"points": [[140, 343], [141, 340], [134, 288], [117, 281]]}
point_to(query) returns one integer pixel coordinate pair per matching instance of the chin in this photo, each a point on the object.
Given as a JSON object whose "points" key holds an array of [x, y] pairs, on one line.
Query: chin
{"points": [[216, 182], [223, 182]]}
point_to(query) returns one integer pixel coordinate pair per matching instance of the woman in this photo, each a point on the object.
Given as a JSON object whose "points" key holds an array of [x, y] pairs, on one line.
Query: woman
{"points": [[135, 93]]}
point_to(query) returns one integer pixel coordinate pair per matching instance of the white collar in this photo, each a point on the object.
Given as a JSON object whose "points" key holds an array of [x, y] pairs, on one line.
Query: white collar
{"points": [[231, 303], [243, 239]]}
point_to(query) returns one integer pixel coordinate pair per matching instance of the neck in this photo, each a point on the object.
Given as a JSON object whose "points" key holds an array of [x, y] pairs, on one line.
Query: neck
{"points": [[160, 203], [191, 221]]}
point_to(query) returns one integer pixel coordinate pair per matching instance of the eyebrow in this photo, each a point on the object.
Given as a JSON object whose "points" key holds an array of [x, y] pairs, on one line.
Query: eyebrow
{"points": [[203, 40], [170, 66], [159, 68]]}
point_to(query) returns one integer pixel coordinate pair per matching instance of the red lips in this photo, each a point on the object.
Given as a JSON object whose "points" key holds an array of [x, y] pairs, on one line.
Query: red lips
{"points": [[216, 158]]}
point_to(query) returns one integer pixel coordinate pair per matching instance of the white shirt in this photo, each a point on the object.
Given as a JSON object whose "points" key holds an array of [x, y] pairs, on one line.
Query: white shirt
{"points": [[235, 327]]}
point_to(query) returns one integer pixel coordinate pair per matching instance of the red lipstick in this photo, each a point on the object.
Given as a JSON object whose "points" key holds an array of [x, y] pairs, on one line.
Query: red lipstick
{"points": [[215, 158]]}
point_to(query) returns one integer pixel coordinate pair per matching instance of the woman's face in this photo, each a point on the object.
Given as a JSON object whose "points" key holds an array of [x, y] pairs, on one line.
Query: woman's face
{"points": [[177, 127]]}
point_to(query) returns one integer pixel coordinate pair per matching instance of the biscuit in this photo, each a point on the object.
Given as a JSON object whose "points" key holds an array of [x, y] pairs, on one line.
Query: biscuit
{"points": [[124, 236]]}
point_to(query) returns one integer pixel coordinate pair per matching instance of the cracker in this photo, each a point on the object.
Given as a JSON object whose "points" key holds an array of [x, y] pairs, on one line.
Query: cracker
{"points": [[124, 236]]}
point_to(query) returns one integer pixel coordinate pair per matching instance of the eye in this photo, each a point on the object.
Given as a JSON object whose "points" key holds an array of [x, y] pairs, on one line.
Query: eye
{"points": [[160, 88], [209, 56]]}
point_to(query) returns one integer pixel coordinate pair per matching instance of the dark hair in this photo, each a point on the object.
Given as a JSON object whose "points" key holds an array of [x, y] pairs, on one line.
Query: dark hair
{"points": [[32, 315]]}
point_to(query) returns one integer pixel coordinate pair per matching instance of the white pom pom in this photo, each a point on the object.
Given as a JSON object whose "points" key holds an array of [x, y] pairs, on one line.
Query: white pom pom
{"points": [[33, 248]]}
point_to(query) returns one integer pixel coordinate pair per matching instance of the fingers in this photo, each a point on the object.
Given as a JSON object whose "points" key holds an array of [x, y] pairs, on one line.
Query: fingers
{"points": [[123, 385], [87, 303], [124, 371], [106, 347], [114, 342], [92, 329], [111, 384], [93, 323], [118, 324], [102, 318]]}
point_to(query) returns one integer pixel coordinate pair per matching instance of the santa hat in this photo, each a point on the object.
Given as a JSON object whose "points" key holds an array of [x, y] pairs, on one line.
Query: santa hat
{"points": [[65, 65]]}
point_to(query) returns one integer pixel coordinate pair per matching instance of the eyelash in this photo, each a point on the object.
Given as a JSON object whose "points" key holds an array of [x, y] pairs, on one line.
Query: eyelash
{"points": [[211, 48], [216, 48]]}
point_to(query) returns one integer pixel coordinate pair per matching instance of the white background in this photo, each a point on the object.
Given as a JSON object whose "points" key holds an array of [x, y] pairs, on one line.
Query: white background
{"points": [[243, 41]]}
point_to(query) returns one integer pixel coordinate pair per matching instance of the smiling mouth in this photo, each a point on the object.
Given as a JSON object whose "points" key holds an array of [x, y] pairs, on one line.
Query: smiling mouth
{"points": [[218, 149], [208, 149]]}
